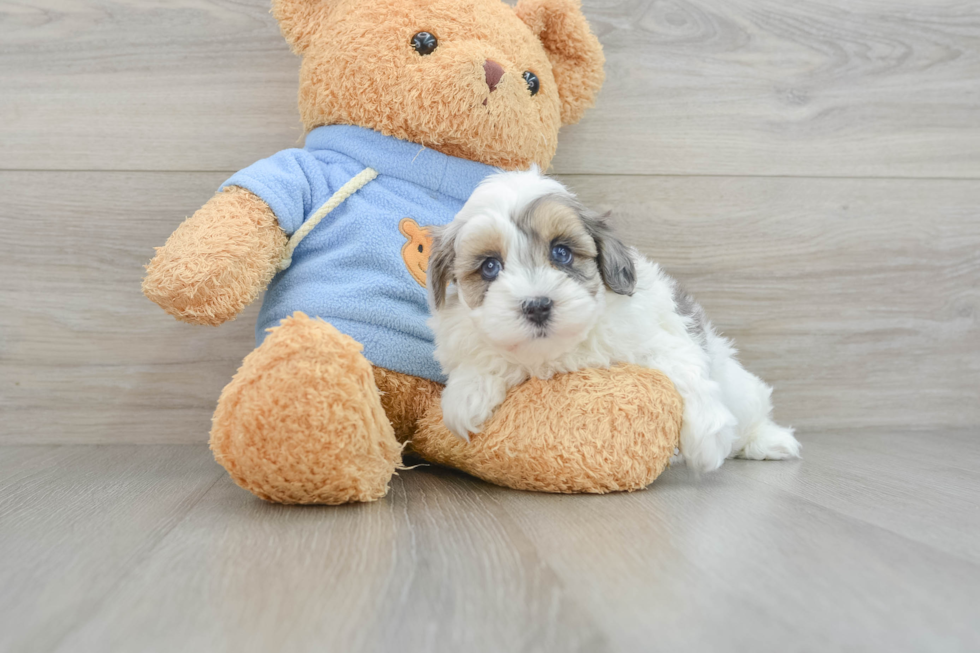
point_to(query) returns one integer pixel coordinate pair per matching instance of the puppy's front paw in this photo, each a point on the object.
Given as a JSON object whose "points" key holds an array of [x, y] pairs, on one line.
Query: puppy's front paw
{"points": [[707, 438], [459, 422], [469, 401]]}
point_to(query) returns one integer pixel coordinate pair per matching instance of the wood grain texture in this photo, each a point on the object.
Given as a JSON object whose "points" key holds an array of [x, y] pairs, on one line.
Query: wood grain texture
{"points": [[431, 567], [75, 521], [729, 563], [857, 299], [768, 87], [130, 550], [859, 310], [743, 87], [84, 357], [922, 487]]}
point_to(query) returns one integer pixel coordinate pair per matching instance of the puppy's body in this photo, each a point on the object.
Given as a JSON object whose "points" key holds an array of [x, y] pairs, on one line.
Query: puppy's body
{"points": [[527, 282]]}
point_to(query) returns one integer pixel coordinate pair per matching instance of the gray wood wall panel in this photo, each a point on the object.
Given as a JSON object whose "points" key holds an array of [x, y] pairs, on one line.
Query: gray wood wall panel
{"points": [[84, 357], [735, 87], [809, 170], [859, 310]]}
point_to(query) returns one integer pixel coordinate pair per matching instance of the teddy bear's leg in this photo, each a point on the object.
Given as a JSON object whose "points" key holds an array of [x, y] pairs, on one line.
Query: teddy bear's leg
{"points": [[590, 431], [405, 399], [302, 420]]}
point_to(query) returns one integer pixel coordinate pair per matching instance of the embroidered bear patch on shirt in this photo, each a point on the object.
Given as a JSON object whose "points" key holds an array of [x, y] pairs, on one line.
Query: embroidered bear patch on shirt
{"points": [[416, 251]]}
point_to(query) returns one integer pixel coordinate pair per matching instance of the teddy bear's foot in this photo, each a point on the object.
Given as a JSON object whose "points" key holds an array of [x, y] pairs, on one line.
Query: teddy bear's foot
{"points": [[302, 421], [590, 431]]}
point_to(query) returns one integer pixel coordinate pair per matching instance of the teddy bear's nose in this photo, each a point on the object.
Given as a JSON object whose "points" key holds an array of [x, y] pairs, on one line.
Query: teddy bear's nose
{"points": [[494, 71]]}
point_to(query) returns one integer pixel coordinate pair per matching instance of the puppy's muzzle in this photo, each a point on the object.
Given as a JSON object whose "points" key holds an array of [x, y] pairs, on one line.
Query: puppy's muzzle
{"points": [[537, 310]]}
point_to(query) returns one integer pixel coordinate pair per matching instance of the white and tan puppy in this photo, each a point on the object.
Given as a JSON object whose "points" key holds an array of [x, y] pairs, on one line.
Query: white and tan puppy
{"points": [[528, 282]]}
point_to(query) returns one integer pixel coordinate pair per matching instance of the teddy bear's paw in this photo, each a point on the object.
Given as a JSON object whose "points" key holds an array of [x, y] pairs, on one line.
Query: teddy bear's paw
{"points": [[218, 261], [302, 421], [590, 431]]}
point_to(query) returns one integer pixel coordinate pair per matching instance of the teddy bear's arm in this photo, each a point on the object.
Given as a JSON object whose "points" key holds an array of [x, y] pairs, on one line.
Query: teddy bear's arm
{"points": [[218, 261]]}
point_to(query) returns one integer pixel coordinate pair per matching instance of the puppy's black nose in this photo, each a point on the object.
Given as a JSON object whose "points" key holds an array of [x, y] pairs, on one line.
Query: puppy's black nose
{"points": [[537, 310]]}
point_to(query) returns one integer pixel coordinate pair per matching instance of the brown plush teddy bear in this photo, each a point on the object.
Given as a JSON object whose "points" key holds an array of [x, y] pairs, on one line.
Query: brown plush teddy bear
{"points": [[409, 105]]}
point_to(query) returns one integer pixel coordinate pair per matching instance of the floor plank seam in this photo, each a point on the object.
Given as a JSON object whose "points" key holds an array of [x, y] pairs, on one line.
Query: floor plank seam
{"points": [[862, 522], [136, 564]]}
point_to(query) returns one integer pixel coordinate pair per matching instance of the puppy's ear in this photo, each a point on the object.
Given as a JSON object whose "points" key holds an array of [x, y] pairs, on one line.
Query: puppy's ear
{"points": [[442, 258], [616, 265], [573, 50], [300, 20]]}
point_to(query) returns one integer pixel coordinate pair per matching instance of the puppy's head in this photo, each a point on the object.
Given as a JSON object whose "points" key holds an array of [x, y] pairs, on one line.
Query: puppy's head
{"points": [[529, 264]]}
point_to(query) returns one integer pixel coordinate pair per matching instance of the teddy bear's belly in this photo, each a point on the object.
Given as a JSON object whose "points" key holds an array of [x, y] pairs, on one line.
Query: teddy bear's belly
{"points": [[362, 265], [354, 274], [383, 312]]}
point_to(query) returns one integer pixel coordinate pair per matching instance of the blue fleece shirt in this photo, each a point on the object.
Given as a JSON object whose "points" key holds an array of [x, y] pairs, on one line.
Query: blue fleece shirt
{"points": [[354, 268]]}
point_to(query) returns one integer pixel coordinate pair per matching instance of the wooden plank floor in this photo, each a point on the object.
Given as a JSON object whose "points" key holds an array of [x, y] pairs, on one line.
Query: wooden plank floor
{"points": [[872, 543]]}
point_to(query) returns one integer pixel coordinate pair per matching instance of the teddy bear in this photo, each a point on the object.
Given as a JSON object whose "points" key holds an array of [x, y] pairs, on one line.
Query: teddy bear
{"points": [[408, 105]]}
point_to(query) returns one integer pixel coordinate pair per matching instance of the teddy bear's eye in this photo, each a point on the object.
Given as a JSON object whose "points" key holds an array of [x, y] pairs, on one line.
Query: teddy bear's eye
{"points": [[424, 43], [533, 84]]}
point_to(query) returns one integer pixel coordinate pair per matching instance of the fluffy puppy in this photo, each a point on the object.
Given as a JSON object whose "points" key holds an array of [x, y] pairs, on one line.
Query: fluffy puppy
{"points": [[528, 282]]}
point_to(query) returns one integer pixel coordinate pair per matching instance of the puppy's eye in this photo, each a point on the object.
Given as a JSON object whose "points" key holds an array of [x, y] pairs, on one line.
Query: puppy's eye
{"points": [[561, 255], [533, 84], [424, 43], [490, 269]]}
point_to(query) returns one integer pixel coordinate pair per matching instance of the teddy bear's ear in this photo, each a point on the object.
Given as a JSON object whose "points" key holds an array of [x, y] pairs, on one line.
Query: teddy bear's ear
{"points": [[574, 51], [300, 20]]}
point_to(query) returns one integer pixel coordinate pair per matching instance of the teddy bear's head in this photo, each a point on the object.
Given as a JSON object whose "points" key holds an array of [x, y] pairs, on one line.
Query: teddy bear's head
{"points": [[476, 79]]}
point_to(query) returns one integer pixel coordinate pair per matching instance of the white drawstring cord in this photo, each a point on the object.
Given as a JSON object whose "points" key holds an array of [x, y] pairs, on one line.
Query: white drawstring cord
{"points": [[345, 191]]}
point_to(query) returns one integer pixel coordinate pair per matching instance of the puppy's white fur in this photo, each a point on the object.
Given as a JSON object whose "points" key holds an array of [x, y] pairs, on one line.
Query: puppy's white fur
{"points": [[488, 348]]}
